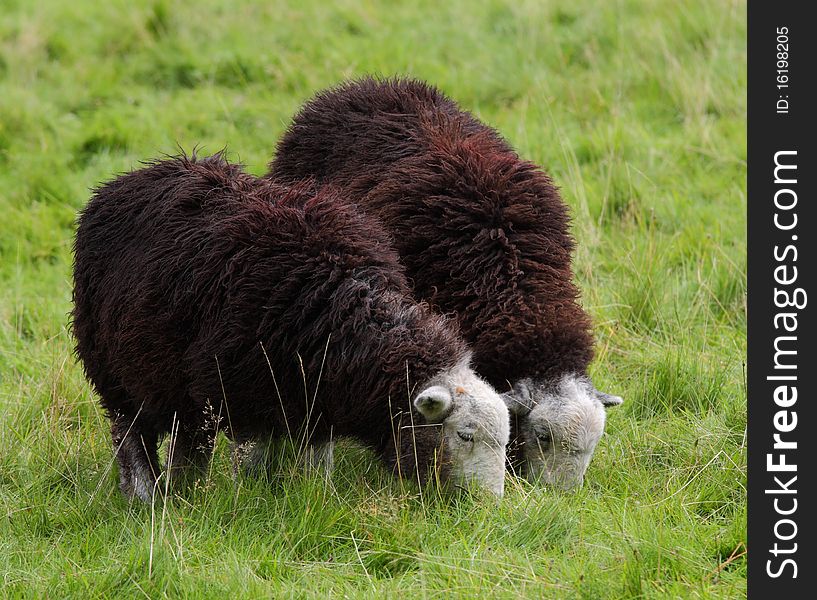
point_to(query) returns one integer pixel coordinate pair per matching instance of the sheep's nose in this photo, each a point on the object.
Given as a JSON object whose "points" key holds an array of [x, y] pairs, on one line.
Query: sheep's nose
{"points": [[568, 481]]}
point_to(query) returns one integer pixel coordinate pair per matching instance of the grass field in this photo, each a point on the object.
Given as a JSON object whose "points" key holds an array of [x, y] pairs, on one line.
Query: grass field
{"points": [[638, 111]]}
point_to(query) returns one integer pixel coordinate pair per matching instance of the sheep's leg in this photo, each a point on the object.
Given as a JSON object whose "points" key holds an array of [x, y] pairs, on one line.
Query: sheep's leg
{"points": [[253, 457], [320, 458], [239, 452], [257, 457], [136, 454], [189, 451]]}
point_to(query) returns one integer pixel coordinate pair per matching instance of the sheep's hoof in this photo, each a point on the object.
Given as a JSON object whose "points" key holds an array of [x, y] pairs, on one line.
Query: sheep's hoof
{"points": [[142, 487]]}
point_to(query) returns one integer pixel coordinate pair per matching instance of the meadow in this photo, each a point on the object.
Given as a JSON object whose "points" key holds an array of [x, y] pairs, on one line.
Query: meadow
{"points": [[636, 108]]}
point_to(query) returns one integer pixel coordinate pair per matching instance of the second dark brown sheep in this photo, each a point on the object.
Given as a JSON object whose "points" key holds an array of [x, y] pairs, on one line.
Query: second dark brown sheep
{"points": [[484, 235]]}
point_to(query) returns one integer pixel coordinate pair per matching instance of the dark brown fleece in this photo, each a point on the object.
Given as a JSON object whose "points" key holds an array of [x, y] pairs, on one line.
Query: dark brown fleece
{"points": [[483, 233], [186, 272]]}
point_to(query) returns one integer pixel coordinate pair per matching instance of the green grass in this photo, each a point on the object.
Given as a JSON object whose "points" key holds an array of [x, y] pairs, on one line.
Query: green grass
{"points": [[638, 111]]}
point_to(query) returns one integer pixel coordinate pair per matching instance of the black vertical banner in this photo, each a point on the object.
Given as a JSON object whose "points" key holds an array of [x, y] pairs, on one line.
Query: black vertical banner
{"points": [[782, 192]]}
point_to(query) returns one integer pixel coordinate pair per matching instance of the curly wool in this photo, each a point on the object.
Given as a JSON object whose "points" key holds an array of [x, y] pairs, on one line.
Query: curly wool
{"points": [[201, 290], [483, 233]]}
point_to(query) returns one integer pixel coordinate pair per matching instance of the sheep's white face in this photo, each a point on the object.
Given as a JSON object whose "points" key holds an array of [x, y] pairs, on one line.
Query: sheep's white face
{"points": [[559, 425], [475, 427]]}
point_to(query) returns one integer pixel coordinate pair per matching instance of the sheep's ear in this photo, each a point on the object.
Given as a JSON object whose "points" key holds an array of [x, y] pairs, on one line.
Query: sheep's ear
{"points": [[607, 400], [434, 403], [516, 405]]}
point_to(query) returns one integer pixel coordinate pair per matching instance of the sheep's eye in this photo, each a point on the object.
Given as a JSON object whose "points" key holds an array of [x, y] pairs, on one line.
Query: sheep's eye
{"points": [[544, 438], [465, 436]]}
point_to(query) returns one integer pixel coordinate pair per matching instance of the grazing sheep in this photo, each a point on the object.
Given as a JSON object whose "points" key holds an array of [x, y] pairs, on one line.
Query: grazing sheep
{"points": [[206, 299], [483, 234]]}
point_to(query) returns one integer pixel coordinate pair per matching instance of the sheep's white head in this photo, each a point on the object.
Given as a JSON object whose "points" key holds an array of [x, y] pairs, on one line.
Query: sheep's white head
{"points": [[472, 433], [557, 427]]}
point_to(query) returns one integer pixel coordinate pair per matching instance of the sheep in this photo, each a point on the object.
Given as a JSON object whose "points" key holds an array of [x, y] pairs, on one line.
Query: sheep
{"points": [[483, 234], [207, 299]]}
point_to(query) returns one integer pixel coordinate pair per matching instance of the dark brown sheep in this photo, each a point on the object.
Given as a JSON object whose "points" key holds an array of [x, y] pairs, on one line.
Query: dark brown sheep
{"points": [[206, 299], [483, 234]]}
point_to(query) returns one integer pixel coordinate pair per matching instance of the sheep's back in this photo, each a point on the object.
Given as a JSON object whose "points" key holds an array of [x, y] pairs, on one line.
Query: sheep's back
{"points": [[483, 233]]}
